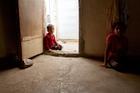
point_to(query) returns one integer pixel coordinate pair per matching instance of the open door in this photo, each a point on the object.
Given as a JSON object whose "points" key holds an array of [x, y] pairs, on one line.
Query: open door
{"points": [[31, 27]]}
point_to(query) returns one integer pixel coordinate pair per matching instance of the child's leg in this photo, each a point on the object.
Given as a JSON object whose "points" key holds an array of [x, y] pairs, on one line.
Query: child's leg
{"points": [[57, 47]]}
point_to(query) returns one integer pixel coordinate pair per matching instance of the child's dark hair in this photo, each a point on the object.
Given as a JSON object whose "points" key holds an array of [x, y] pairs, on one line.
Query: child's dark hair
{"points": [[119, 25], [49, 26]]}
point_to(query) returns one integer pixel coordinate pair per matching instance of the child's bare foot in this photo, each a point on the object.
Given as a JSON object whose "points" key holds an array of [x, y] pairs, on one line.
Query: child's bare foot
{"points": [[106, 66], [103, 65]]}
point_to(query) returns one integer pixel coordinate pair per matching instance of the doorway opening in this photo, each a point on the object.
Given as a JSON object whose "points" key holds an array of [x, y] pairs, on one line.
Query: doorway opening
{"points": [[64, 15]]}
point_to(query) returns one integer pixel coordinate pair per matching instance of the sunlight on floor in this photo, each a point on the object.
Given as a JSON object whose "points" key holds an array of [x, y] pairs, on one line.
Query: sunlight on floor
{"points": [[70, 46]]}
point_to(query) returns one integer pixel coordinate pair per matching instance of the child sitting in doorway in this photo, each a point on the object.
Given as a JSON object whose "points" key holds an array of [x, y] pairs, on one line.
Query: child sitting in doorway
{"points": [[50, 41]]}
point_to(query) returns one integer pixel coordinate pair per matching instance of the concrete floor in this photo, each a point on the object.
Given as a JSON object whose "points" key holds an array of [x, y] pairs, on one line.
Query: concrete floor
{"points": [[67, 75]]}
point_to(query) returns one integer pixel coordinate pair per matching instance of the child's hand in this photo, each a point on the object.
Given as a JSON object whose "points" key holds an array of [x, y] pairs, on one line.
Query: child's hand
{"points": [[49, 50]]}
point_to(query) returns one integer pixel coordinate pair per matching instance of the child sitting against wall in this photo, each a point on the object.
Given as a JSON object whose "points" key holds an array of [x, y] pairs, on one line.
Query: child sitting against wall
{"points": [[50, 41], [116, 46]]}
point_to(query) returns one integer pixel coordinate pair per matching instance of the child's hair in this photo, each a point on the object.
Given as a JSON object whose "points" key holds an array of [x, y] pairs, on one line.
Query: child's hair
{"points": [[50, 26], [119, 25]]}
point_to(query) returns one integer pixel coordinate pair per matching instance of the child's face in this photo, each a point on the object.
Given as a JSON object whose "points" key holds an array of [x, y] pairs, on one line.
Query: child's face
{"points": [[51, 30], [117, 30]]}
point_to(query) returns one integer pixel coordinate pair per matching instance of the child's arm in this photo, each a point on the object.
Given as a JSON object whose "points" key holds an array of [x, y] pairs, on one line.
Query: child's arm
{"points": [[46, 43], [109, 40], [106, 55], [55, 41]]}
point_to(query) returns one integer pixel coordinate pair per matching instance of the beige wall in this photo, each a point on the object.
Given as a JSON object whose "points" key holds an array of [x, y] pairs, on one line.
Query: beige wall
{"points": [[133, 32], [94, 28], [93, 25]]}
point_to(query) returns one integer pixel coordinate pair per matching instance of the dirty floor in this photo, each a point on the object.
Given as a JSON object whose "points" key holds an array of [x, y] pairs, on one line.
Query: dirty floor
{"points": [[51, 74], [70, 48]]}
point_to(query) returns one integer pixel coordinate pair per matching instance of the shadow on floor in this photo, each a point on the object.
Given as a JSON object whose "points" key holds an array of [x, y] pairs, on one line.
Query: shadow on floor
{"points": [[132, 65], [8, 62]]}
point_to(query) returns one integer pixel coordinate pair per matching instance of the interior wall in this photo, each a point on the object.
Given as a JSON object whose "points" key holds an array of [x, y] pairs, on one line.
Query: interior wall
{"points": [[8, 27], [133, 32], [93, 25]]}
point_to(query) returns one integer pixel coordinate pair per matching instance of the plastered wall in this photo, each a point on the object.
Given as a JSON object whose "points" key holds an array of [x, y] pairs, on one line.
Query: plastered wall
{"points": [[93, 25]]}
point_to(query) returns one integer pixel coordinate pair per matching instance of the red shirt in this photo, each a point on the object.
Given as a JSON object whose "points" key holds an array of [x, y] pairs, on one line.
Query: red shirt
{"points": [[117, 45], [49, 41]]}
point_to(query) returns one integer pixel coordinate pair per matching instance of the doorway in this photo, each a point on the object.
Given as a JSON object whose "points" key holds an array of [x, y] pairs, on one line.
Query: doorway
{"points": [[64, 15]]}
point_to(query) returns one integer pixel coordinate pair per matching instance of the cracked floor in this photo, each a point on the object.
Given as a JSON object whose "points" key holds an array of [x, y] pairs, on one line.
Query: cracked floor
{"points": [[51, 74]]}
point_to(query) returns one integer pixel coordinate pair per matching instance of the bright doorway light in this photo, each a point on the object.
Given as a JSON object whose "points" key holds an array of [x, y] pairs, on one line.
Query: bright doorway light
{"points": [[64, 15]]}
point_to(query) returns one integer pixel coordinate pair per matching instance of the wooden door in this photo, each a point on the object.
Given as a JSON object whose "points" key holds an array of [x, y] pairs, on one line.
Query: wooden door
{"points": [[31, 27]]}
